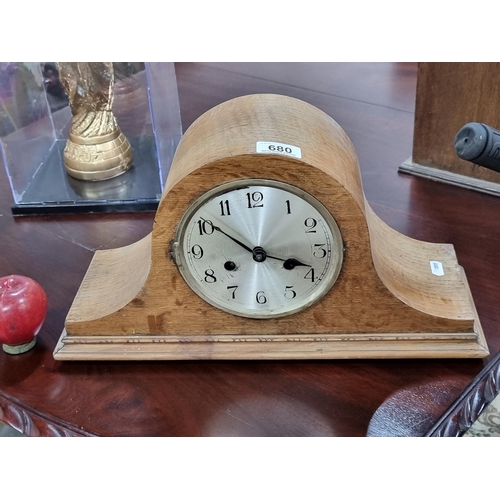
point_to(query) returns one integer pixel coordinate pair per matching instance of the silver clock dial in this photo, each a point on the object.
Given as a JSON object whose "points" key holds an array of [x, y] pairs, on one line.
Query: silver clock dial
{"points": [[258, 248]]}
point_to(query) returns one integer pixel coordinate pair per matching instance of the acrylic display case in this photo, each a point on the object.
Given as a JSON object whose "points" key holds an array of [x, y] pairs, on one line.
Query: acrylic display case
{"points": [[35, 118]]}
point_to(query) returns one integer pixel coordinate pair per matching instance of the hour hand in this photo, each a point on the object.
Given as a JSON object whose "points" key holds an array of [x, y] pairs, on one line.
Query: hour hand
{"points": [[289, 263]]}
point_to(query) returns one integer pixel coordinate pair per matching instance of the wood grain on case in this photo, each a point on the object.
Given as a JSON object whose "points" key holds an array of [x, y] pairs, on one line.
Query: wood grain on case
{"points": [[412, 311]]}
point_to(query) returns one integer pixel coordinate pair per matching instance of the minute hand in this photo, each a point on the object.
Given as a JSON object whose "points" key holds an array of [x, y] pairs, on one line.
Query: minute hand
{"points": [[217, 228]]}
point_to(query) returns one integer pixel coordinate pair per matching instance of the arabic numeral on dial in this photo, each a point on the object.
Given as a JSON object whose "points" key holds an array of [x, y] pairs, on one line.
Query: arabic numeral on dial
{"points": [[310, 275], [310, 224], [224, 207], [233, 288], [209, 276], [319, 252], [255, 199], [288, 208], [260, 298], [197, 252], [289, 293], [205, 227]]}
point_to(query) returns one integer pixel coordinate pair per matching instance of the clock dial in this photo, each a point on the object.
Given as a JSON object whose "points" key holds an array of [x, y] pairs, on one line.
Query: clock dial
{"points": [[258, 248]]}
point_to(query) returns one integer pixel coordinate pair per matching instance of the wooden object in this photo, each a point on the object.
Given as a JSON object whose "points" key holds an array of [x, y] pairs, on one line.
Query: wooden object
{"points": [[449, 95], [460, 417], [133, 303]]}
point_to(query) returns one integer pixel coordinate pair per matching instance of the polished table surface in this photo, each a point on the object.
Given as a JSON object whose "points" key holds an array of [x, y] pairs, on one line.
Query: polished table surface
{"points": [[374, 103]]}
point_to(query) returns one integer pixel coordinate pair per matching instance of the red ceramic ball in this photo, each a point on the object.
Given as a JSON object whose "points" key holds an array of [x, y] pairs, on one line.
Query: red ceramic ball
{"points": [[23, 306]]}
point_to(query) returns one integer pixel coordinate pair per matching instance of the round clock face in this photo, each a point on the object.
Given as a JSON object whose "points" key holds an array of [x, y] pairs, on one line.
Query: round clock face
{"points": [[258, 248]]}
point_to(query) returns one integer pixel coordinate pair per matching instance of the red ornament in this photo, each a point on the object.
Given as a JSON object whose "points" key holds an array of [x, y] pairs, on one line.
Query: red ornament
{"points": [[23, 306]]}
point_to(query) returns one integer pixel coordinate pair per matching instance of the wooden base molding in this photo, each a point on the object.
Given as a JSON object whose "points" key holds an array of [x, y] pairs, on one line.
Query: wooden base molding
{"points": [[395, 297], [462, 414], [33, 423], [440, 175]]}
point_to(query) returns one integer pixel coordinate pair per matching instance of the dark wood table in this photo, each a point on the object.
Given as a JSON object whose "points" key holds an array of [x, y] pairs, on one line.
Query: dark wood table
{"points": [[374, 103]]}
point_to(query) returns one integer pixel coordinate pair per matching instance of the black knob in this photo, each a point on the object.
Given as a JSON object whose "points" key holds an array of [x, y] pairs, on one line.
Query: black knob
{"points": [[479, 144]]}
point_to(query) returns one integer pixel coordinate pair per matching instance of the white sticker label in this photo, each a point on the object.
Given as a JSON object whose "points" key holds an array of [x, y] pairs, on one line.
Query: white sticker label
{"points": [[437, 268], [278, 148]]}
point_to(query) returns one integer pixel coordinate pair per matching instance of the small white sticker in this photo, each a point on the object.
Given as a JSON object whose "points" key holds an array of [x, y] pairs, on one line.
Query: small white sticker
{"points": [[278, 148], [437, 268]]}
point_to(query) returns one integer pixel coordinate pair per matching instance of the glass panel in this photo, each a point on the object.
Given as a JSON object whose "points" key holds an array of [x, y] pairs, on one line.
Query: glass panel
{"points": [[35, 118]]}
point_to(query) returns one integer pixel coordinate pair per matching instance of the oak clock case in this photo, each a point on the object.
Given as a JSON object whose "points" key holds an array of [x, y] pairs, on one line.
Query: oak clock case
{"points": [[258, 248], [220, 277]]}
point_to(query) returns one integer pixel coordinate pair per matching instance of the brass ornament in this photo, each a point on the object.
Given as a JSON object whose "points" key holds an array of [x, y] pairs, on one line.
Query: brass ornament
{"points": [[96, 148]]}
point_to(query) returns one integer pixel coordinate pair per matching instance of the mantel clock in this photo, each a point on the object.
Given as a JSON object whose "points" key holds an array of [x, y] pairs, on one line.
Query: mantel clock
{"points": [[264, 247]]}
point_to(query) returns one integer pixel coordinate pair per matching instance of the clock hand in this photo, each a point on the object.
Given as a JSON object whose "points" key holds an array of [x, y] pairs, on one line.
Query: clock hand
{"points": [[259, 254], [217, 228], [289, 263]]}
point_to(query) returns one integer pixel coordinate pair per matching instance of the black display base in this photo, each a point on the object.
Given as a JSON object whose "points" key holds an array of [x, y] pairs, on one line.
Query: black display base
{"points": [[53, 191]]}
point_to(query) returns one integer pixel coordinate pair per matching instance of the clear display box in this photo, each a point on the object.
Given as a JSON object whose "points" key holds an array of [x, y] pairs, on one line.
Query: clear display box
{"points": [[35, 118]]}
